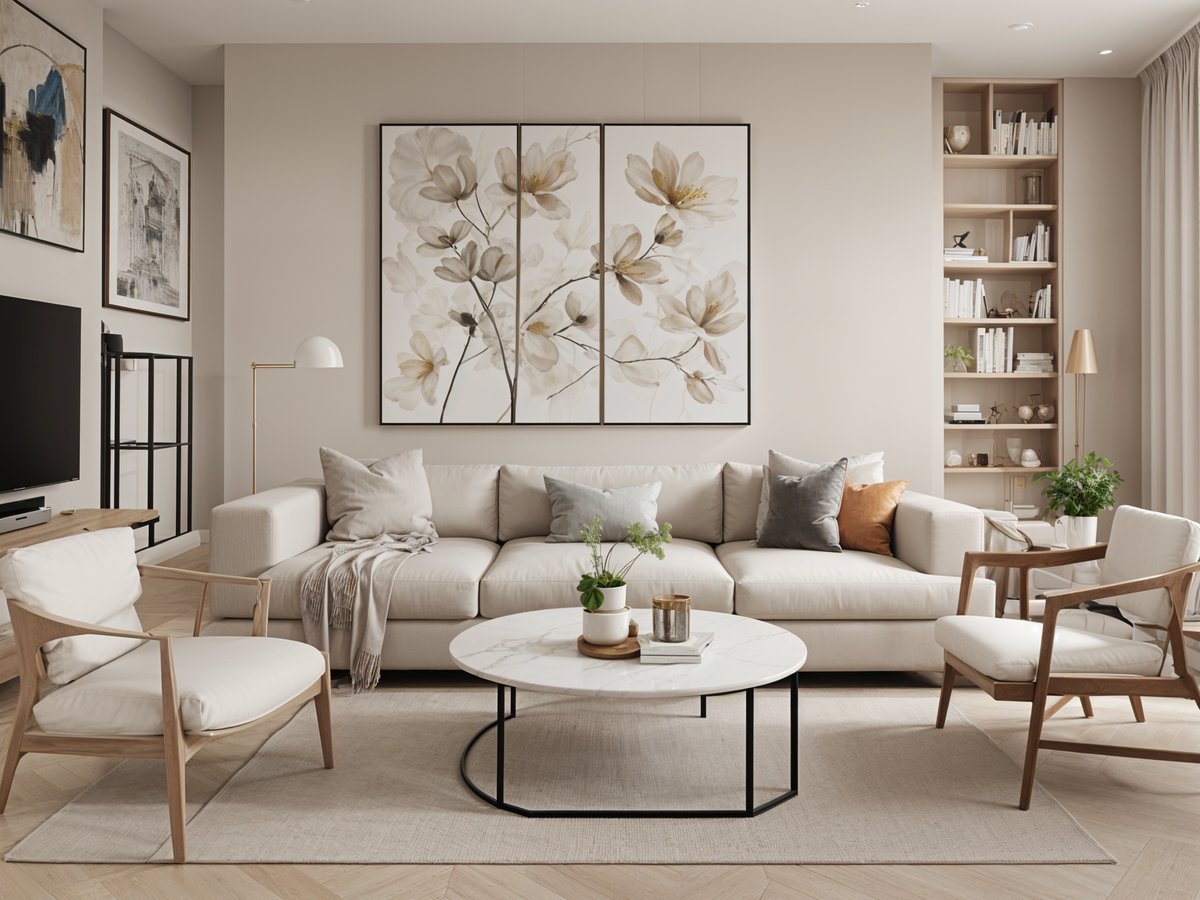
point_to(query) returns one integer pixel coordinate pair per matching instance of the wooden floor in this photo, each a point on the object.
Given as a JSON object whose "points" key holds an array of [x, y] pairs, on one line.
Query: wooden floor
{"points": [[1146, 813]]}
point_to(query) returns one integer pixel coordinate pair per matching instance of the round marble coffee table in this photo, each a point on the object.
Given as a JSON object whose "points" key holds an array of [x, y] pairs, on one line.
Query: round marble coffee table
{"points": [[536, 651]]}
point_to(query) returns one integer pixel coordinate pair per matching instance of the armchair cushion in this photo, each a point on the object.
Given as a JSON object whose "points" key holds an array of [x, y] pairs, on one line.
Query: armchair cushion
{"points": [[1008, 649], [1144, 543], [90, 577], [222, 682]]}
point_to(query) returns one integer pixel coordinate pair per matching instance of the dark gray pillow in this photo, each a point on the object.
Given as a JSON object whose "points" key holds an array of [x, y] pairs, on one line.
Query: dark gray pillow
{"points": [[803, 510], [574, 505]]}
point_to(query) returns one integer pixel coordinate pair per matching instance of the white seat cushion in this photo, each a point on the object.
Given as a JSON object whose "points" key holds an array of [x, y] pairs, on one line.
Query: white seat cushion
{"points": [[222, 682], [1008, 649], [779, 584], [532, 574], [440, 584]]}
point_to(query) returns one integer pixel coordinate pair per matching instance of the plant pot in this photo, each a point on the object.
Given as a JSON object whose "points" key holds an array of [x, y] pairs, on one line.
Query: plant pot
{"points": [[614, 599], [1076, 531], [604, 629]]}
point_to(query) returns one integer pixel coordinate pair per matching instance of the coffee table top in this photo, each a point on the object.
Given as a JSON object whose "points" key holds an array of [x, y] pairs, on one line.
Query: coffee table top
{"points": [[537, 651]]}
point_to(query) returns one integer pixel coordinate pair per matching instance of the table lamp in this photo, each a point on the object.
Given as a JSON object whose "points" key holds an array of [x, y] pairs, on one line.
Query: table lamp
{"points": [[311, 353], [1081, 361]]}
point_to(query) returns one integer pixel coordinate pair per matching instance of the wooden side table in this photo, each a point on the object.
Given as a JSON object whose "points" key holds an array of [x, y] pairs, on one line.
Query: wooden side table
{"points": [[62, 525]]}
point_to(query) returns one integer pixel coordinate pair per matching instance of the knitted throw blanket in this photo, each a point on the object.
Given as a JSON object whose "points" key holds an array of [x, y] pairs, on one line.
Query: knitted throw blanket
{"points": [[339, 591]]}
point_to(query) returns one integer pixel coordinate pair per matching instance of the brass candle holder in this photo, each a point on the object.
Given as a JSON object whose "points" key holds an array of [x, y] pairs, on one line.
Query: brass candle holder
{"points": [[672, 617]]}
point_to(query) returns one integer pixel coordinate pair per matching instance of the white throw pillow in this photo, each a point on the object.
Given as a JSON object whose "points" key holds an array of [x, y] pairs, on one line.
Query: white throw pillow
{"points": [[864, 469], [390, 496], [90, 577]]}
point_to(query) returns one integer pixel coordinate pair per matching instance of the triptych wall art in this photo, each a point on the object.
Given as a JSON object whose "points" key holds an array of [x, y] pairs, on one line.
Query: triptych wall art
{"points": [[565, 274]]}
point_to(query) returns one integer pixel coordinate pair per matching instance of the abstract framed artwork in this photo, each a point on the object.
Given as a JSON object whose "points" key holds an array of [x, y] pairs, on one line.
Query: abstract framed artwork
{"points": [[566, 274], [147, 216], [43, 111]]}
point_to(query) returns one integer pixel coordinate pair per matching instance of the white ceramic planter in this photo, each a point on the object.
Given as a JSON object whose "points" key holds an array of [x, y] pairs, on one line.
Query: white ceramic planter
{"points": [[605, 629], [614, 599], [1076, 531]]}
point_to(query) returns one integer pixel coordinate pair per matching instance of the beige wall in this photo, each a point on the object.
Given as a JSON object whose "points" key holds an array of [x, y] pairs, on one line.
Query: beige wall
{"points": [[842, 181]]}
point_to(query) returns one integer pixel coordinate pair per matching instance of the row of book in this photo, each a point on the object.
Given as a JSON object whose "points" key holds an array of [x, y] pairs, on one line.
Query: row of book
{"points": [[1035, 362], [1033, 247], [1024, 135], [994, 350], [1043, 304], [963, 299]]}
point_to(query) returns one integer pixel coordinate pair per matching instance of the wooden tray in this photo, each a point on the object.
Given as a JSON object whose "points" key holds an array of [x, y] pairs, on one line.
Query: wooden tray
{"points": [[627, 649]]}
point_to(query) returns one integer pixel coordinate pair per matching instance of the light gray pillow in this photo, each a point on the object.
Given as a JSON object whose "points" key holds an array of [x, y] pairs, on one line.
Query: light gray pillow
{"points": [[867, 468], [804, 509], [390, 496], [574, 505]]}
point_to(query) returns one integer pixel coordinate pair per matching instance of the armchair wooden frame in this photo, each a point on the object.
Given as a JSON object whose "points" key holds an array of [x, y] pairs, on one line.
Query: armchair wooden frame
{"points": [[1176, 583], [33, 629]]}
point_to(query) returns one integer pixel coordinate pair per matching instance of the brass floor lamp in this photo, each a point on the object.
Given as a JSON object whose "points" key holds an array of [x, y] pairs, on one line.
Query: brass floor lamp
{"points": [[1081, 361], [311, 353]]}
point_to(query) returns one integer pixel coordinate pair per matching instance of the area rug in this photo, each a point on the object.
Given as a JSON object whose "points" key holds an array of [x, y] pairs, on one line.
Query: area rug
{"points": [[878, 784]]}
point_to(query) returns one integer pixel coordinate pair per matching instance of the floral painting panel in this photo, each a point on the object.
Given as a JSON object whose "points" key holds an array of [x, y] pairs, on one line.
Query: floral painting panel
{"points": [[676, 269], [42, 111], [448, 274], [559, 354]]}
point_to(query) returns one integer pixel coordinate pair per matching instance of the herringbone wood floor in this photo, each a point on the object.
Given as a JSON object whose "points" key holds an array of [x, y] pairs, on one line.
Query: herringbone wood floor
{"points": [[1146, 813]]}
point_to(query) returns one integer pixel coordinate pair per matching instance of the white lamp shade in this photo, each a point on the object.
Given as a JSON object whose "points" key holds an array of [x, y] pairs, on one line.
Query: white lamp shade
{"points": [[318, 353]]}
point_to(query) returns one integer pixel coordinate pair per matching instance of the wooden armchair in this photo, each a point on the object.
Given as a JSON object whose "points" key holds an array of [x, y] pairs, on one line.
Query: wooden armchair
{"points": [[127, 693], [1072, 652]]}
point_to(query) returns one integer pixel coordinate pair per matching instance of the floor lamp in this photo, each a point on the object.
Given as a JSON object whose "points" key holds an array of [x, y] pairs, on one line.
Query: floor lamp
{"points": [[1081, 361], [311, 353]]}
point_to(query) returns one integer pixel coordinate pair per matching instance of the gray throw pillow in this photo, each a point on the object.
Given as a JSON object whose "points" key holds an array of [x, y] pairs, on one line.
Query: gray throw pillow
{"points": [[390, 496], [866, 468], [803, 510], [574, 505]]}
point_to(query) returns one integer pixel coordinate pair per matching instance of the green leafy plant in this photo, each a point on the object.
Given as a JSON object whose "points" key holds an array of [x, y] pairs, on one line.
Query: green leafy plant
{"points": [[959, 354], [1082, 488], [637, 536]]}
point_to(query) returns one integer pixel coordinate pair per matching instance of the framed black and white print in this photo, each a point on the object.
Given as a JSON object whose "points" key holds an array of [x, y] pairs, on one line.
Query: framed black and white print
{"points": [[147, 210], [43, 111]]}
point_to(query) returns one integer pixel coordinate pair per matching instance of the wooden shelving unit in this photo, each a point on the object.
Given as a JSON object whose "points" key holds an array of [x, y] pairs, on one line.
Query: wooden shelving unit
{"points": [[983, 192]]}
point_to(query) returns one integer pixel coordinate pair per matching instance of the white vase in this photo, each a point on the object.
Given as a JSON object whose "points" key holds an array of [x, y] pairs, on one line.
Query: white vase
{"points": [[1076, 531], [605, 629], [614, 599]]}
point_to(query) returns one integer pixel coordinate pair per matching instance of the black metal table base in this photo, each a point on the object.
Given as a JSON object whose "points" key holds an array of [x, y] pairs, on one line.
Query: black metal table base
{"points": [[743, 812]]}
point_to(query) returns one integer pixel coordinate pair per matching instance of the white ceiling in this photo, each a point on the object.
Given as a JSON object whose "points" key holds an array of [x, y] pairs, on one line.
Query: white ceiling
{"points": [[969, 37]]}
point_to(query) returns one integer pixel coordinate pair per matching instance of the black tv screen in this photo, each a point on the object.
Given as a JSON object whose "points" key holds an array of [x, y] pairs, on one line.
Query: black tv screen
{"points": [[39, 393]]}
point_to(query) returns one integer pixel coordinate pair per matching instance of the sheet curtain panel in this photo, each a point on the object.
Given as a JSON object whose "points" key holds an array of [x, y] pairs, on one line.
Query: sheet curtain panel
{"points": [[1171, 279]]}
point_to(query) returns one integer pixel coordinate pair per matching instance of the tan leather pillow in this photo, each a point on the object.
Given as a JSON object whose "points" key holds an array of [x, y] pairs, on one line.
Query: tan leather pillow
{"points": [[865, 521]]}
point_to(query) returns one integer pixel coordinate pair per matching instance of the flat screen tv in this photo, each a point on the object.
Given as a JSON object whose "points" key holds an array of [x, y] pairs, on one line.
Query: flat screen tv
{"points": [[39, 393]]}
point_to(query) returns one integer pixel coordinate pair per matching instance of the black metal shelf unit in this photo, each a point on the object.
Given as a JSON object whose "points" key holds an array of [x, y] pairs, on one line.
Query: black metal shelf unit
{"points": [[178, 439]]}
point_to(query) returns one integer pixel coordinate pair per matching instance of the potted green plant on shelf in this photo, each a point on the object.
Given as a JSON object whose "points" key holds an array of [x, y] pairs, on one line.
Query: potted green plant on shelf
{"points": [[958, 358], [1081, 490], [602, 590]]}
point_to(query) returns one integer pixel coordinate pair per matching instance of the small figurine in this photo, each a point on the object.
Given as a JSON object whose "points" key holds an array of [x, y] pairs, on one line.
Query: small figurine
{"points": [[959, 239], [998, 411]]}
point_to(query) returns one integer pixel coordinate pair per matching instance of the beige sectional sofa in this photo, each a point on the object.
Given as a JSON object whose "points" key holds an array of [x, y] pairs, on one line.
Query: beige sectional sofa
{"points": [[856, 611]]}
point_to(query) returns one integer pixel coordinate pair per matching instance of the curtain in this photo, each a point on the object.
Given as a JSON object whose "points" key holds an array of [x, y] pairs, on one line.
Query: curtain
{"points": [[1171, 279]]}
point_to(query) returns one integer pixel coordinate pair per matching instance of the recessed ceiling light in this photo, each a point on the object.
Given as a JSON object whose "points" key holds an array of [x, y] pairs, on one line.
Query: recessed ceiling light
{"points": [[1020, 26], [861, 4], [1106, 53]]}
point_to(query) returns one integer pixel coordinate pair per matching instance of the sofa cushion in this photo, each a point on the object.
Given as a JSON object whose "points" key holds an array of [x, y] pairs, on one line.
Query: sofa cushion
{"points": [[464, 500], [442, 583], [742, 485], [690, 499], [389, 496], [530, 574], [573, 506], [1008, 649], [808, 584], [222, 682]]}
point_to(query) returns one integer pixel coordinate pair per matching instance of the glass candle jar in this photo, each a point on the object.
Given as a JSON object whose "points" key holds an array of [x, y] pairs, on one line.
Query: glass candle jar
{"points": [[672, 617]]}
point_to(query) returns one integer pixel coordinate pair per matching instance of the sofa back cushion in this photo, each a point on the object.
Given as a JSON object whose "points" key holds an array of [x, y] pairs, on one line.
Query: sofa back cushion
{"points": [[464, 500], [691, 497], [743, 488]]}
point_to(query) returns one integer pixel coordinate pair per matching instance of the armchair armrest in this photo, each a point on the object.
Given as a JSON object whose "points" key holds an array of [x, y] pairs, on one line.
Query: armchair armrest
{"points": [[1023, 560], [262, 597], [931, 534]]}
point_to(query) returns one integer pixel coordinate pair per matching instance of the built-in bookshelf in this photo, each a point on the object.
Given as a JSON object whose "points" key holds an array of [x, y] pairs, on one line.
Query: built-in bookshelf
{"points": [[1009, 205]]}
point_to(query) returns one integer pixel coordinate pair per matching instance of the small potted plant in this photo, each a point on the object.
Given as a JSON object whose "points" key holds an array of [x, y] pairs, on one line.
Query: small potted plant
{"points": [[958, 359], [1081, 490], [602, 591]]}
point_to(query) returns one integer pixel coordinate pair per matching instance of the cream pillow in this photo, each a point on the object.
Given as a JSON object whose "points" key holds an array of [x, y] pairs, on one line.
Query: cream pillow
{"points": [[864, 469], [390, 496]]}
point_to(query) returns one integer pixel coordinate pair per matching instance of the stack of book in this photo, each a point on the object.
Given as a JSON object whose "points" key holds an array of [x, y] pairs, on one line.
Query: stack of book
{"points": [[962, 255], [994, 350], [965, 414], [1024, 135], [1035, 362], [661, 653], [1033, 247], [963, 299], [1042, 307]]}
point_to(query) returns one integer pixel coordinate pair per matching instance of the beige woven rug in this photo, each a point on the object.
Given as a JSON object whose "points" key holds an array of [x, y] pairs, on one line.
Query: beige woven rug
{"points": [[878, 784]]}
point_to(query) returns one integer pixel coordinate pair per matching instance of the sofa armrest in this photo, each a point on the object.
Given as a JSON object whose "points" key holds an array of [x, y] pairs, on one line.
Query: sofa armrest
{"points": [[251, 534], [931, 534]]}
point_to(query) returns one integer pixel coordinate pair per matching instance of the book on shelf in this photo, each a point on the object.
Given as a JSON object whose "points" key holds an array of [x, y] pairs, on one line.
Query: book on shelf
{"points": [[1035, 362], [1033, 247], [962, 420], [965, 407], [1024, 135], [963, 299], [994, 350], [662, 653], [1042, 307]]}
